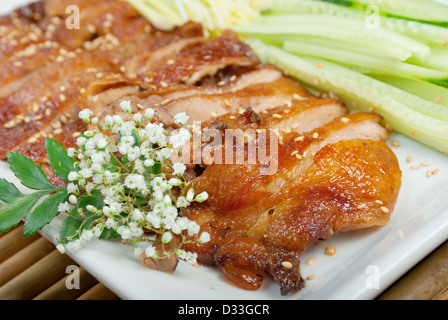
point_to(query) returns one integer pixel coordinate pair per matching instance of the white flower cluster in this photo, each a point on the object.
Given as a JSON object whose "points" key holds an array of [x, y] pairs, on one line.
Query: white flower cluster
{"points": [[126, 164]]}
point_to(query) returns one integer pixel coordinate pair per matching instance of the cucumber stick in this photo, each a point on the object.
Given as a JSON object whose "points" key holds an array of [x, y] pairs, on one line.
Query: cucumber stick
{"points": [[424, 10], [433, 35], [438, 59], [403, 111], [418, 49], [337, 28], [424, 90], [374, 64], [336, 33]]}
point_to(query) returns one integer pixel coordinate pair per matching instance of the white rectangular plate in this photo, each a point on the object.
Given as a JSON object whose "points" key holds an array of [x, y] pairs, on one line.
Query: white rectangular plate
{"points": [[366, 261]]}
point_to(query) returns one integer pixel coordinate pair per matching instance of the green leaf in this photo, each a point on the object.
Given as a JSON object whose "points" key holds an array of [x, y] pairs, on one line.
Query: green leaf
{"points": [[12, 213], [109, 234], [71, 225], [155, 169], [30, 174], [44, 213], [74, 223], [8, 192], [94, 200], [60, 161]]}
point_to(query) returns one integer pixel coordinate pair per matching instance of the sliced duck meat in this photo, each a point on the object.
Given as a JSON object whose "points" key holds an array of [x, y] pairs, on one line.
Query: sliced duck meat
{"points": [[344, 164]]}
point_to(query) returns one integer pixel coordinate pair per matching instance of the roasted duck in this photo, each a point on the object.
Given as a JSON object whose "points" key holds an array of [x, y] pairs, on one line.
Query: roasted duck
{"points": [[328, 171]]}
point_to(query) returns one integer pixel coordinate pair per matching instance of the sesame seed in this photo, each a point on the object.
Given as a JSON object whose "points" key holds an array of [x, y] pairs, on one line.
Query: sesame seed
{"points": [[287, 264], [316, 81], [163, 84], [311, 277], [409, 159], [62, 97], [299, 139], [56, 125], [91, 28], [298, 156], [395, 143], [32, 139], [296, 96], [10, 124], [315, 135], [385, 209], [170, 62], [214, 114], [362, 206], [438, 100], [345, 120], [294, 152], [310, 261], [18, 64], [35, 107], [48, 112], [58, 131], [332, 95], [430, 173], [76, 134], [378, 202], [221, 83], [286, 130], [415, 166], [277, 116], [320, 64], [424, 163], [233, 78], [330, 250]]}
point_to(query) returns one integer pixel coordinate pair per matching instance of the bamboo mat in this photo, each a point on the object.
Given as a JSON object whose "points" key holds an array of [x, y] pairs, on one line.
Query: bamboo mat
{"points": [[32, 269]]}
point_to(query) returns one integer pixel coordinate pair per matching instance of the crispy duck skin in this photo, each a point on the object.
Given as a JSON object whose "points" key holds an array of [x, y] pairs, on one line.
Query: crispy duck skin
{"points": [[197, 62], [327, 182]]}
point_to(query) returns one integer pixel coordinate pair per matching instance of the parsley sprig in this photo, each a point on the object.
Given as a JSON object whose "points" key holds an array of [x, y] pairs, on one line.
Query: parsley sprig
{"points": [[18, 206]]}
